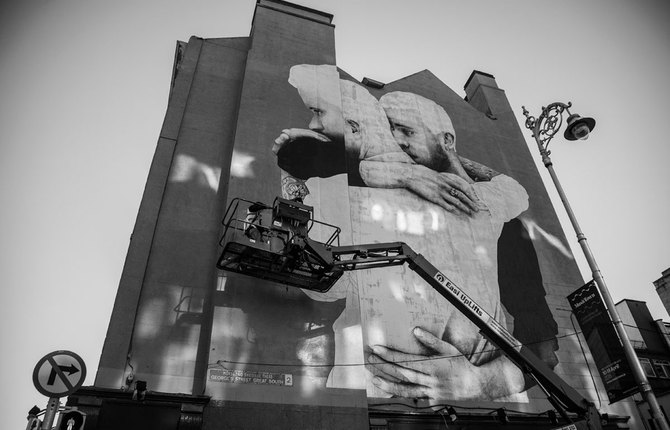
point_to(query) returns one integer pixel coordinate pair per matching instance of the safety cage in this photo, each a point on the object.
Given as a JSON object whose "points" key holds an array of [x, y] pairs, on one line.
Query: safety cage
{"points": [[271, 242]]}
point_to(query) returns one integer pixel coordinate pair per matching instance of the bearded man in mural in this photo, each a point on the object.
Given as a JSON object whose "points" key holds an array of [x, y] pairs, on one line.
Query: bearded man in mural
{"points": [[337, 143], [407, 183]]}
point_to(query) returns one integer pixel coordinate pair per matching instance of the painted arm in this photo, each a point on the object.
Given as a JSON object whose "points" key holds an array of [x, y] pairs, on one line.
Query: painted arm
{"points": [[447, 190], [477, 171]]}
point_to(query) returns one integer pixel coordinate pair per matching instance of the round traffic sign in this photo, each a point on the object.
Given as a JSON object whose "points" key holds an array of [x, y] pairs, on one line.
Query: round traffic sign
{"points": [[59, 373]]}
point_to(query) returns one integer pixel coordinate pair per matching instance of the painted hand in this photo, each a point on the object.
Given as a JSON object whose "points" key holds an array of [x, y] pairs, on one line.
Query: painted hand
{"points": [[444, 374], [447, 190]]}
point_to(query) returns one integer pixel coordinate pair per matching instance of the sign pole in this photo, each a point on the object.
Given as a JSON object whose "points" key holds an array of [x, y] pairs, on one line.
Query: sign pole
{"points": [[50, 414]]}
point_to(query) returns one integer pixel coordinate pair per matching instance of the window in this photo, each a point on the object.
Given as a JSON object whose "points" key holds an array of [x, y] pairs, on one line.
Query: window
{"points": [[648, 368], [662, 368]]}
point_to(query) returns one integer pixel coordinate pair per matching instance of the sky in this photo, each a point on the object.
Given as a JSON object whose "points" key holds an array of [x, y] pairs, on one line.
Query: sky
{"points": [[84, 87]]}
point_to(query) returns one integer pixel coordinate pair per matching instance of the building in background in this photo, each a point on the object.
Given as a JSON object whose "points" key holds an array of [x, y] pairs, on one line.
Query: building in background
{"points": [[662, 285], [193, 347], [651, 341]]}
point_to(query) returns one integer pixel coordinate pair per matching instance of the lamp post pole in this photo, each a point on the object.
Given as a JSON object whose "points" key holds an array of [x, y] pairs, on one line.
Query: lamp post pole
{"points": [[544, 128]]}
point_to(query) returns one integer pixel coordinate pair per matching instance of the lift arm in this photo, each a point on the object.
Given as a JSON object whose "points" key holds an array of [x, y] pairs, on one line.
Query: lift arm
{"points": [[305, 263], [384, 254]]}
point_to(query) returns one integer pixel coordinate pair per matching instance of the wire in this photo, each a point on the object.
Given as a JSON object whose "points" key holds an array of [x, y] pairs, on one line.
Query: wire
{"points": [[445, 421], [418, 360], [642, 328], [443, 406]]}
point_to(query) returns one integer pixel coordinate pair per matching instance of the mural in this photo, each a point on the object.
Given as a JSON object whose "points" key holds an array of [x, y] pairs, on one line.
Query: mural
{"points": [[388, 170]]}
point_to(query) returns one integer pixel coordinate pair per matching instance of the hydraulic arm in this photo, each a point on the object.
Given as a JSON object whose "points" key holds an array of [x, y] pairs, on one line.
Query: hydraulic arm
{"points": [[278, 248]]}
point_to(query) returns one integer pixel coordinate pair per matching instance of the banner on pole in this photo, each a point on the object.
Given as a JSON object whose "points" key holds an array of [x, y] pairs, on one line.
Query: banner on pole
{"points": [[603, 341]]}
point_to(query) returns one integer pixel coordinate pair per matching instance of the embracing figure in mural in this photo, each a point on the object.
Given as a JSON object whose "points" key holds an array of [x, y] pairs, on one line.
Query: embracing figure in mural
{"points": [[349, 133], [407, 183], [468, 256]]}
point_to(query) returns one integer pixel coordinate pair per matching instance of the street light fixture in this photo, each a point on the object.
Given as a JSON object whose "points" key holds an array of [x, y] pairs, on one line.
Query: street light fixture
{"points": [[544, 128], [578, 127]]}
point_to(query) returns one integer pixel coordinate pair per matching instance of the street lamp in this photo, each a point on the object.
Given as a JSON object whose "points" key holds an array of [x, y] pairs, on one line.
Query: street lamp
{"points": [[544, 128]]}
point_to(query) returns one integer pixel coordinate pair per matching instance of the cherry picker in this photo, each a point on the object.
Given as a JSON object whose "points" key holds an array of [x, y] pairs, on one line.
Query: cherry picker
{"points": [[273, 243]]}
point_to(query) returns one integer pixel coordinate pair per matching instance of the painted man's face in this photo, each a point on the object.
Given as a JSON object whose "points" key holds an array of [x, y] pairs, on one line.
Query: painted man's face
{"points": [[319, 89], [422, 146], [420, 127], [327, 119]]}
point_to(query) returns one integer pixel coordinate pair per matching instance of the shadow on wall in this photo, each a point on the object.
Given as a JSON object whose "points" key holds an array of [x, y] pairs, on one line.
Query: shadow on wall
{"points": [[260, 326], [522, 292]]}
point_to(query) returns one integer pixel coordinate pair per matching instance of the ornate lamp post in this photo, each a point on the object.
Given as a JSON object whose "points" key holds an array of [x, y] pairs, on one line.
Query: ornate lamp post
{"points": [[544, 128]]}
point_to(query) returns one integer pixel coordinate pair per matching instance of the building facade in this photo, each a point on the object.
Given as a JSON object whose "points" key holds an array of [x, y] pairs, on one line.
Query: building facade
{"points": [[651, 340], [408, 161], [662, 285]]}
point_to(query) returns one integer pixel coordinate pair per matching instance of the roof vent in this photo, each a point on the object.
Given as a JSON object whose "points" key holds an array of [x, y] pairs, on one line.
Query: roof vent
{"points": [[372, 83]]}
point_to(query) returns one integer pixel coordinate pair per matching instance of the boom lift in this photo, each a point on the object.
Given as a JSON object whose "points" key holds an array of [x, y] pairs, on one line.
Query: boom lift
{"points": [[273, 243]]}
